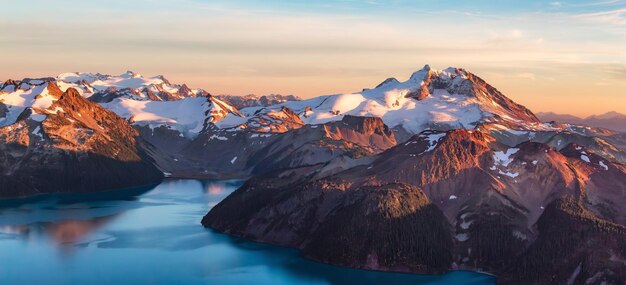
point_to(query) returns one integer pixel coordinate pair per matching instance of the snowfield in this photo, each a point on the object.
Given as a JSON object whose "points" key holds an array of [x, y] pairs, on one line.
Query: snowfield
{"points": [[38, 98], [187, 116]]}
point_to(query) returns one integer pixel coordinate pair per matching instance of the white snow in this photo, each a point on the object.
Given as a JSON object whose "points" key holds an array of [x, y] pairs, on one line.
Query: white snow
{"points": [[232, 161], [218, 137], [389, 102], [462, 237], [535, 162], [231, 121], [38, 117], [102, 82], [509, 174], [504, 158], [452, 197], [466, 225], [606, 167], [187, 116], [19, 100], [585, 158], [433, 139], [57, 110]]}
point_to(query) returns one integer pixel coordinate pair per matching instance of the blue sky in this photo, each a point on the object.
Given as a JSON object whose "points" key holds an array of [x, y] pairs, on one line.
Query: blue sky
{"points": [[564, 56]]}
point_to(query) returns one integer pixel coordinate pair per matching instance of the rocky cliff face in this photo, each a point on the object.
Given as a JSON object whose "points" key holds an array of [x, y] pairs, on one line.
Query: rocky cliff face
{"points": [[65, 143]]}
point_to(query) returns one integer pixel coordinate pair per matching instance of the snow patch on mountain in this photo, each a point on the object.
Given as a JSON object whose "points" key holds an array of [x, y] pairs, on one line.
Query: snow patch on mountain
{"points": [[186, 116], [38, 98], [433, 139], [585, 158], [504, 157], [603, 165]]}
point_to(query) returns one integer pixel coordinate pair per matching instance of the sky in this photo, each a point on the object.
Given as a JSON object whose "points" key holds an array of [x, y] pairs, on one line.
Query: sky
{"points": [[560, 56]]}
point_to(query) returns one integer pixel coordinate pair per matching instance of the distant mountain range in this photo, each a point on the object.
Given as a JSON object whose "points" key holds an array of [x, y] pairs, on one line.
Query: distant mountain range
{"points": [[611, 120], [435, 173]]}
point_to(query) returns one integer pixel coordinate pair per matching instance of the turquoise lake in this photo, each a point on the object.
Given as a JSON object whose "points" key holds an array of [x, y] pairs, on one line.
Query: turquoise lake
{"points": [[154, 236]]}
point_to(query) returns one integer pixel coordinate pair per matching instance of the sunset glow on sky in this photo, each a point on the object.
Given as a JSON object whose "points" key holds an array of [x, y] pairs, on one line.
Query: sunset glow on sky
{"points": [[565, 56]]}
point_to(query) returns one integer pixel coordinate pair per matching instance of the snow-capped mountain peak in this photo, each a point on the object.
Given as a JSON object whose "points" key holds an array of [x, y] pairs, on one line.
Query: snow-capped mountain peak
{"points": [[421, 74], [104, 88], [151, 101], [452, 98]]}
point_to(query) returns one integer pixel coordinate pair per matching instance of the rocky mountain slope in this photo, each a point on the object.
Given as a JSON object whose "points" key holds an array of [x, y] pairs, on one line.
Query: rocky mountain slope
{"points": [[443, 201], [55, 141]]}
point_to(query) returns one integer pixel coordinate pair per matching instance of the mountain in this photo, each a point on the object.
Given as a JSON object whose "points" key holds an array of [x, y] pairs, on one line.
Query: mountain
{"points": [[611, 120], [179, 121], [436, 173], [429, 99], [451, 200], [55, 141], [480, 184], [103, 88]]}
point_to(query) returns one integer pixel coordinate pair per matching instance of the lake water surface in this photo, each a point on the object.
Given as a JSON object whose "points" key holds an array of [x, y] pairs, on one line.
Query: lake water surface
{"points": [[154, 236]]}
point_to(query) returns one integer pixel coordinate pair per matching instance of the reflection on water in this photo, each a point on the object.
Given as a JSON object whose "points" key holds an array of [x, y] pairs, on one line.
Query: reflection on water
{"points": [[154, 236], [61, 232]]}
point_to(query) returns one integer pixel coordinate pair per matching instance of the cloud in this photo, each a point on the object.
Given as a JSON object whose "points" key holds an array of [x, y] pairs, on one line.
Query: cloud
{"points": [[526, 75], [616, 70], [613, 17]]}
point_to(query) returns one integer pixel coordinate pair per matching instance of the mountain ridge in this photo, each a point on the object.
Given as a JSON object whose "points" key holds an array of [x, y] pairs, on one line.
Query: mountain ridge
{"points": [[610, 120]]}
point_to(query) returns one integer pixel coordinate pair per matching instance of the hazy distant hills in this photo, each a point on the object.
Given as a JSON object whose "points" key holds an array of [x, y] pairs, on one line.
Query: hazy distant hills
{"points": [[611, 120]]}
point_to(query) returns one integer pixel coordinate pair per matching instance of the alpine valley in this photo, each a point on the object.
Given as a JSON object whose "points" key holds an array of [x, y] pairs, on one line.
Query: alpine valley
{"points": [[436, 173]]}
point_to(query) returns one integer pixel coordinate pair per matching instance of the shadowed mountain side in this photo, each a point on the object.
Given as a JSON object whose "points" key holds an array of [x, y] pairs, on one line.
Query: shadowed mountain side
{"points": [[411, 234], [242, 154], [73, 172], [573, 245]]}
